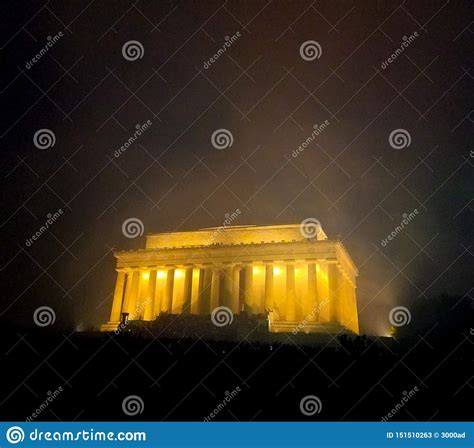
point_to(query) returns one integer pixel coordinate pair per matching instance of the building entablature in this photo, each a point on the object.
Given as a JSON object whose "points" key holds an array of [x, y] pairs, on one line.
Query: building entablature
{"points": [[327, 252]]}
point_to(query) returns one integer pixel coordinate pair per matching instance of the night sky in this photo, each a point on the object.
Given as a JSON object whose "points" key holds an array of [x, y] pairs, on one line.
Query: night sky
{"points": [[269, 97]]}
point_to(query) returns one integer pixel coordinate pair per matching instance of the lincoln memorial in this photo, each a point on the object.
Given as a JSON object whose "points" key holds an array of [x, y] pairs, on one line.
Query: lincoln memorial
{"points": [[292, 274]]}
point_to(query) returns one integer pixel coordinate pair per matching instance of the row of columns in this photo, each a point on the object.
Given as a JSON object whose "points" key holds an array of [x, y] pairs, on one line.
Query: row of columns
{"points": [[291, 291]]}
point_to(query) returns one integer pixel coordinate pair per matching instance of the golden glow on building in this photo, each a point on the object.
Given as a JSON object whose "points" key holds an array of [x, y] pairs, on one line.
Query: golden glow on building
{"points": [[301, 283]]}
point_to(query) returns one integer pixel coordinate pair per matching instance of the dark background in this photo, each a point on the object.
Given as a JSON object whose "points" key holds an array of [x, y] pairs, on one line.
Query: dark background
{"points": [[172, 178]]}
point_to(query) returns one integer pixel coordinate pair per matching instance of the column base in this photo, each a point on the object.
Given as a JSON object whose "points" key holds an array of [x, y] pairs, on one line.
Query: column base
{"points": [[286, 326], [109, 326]]}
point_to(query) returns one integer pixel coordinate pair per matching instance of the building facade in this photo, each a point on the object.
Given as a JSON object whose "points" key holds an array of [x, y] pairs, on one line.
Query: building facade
{"points": [[302, 282]]}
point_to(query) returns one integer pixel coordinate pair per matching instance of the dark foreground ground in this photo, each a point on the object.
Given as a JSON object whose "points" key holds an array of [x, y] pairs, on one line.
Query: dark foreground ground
{"points": [[420, 377]]}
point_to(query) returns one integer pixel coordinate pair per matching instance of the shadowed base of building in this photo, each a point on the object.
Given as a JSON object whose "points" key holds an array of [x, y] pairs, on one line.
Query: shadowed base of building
{"points": [[243, 327]]}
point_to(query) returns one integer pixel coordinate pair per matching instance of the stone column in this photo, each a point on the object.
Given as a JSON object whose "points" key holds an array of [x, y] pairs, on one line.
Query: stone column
{"points": [[188, 284], [354, 316], [133, 297], [128, 289], [228, 286], [268, 286], [248, 272], [132, 293], [348, 307], [150, 297], [334, 291], [205, 295], [235, 306], [118, 297], [290, 292], [345, 317], [159, 292], [312, 292], [215, 290], [168, 292], [198, 276], [322, 291]]}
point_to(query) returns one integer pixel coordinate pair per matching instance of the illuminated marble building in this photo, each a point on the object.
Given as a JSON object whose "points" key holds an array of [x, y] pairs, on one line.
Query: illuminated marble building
{"points": [[302, 282]]}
